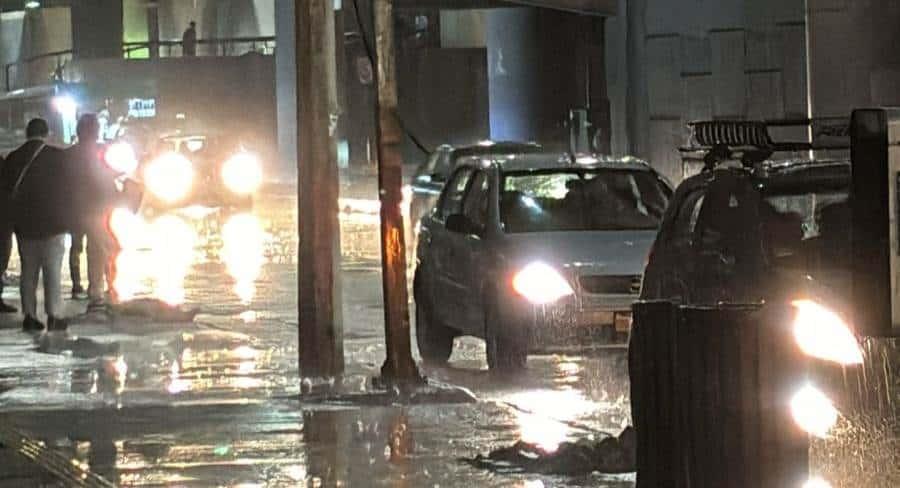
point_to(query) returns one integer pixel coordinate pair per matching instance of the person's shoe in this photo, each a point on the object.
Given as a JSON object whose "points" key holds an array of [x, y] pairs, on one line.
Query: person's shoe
{"points": [[57, 324], [78, 293], [31, 324], [4, 308]]}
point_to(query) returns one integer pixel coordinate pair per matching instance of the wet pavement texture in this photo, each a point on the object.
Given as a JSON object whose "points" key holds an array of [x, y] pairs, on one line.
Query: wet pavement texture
{"points": [[215, 402]]}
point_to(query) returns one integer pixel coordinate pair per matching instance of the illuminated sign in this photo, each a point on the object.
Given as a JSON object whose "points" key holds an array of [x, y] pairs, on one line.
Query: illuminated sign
{"points": [[142, 108]]}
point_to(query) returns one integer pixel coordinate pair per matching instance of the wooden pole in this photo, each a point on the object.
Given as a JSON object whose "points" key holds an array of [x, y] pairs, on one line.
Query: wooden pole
{"points": [[399, 367], [321, 345]]}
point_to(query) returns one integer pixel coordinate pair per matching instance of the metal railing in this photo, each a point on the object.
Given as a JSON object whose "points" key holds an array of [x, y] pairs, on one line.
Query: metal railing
{"points": [[229, 46], [16, 68], [16, 71]]}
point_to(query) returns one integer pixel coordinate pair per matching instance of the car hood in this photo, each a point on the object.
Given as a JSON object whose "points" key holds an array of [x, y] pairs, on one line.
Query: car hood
{"points": [[586, 252]]}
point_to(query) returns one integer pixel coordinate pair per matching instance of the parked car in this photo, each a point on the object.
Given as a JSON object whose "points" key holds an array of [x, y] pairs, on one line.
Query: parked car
{"points": [[743, 314], [432, 174], [527, 250]]}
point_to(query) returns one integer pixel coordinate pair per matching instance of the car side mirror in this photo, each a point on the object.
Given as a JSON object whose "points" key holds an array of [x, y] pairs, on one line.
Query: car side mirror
{"points": [[460, 224]]}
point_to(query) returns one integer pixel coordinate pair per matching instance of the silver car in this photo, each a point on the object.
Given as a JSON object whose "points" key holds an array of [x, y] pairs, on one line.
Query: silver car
{"points": [[535, 251]]}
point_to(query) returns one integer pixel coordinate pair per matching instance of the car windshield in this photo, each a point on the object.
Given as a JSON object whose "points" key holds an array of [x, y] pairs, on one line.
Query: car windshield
{"points": [[582, 200], [808, 233]]}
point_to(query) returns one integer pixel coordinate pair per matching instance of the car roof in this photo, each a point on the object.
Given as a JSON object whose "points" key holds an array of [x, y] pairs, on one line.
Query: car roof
{"points": [[549, 161], [784, 175], [494, 147]]}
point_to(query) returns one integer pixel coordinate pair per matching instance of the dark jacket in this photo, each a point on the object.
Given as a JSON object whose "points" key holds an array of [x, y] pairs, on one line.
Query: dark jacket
{"points": [[94, 185], [40, 208]]}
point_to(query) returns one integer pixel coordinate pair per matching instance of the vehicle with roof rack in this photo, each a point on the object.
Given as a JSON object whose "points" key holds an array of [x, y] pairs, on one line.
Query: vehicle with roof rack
{"points": [[744, 299], [534, 252]]}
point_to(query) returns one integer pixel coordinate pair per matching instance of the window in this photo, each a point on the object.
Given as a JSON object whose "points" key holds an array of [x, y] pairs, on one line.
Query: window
{"points": [[685, 221], [451, 200], [582, 200], [808, 233], [475, 205]]}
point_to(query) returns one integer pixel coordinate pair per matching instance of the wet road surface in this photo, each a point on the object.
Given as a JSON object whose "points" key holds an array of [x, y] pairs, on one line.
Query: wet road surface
{"points": [[214, 403]]}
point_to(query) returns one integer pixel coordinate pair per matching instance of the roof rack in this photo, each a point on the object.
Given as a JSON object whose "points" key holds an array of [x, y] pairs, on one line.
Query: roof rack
{"points": [[750, 141]]}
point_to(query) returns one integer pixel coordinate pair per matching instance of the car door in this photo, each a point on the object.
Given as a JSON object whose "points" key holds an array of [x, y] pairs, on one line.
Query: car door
{"points": [[469, 255], [443, 249]]}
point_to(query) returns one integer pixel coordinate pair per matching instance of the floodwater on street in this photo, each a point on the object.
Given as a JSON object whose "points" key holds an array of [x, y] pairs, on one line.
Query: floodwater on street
{"points": [[215, 403]]}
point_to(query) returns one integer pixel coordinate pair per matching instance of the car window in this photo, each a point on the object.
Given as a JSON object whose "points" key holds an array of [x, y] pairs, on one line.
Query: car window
{"points": [[582, 200], [807, 233], [451, 200], [685, 221], [475, 204]]}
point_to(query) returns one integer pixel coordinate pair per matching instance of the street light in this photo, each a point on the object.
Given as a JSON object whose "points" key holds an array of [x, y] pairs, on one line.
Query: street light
{"points": [[32, 5]]}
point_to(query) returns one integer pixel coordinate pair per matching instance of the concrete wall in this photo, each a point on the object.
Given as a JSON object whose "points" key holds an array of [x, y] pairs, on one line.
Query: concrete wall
{"points": [[854, 59], [702, 59]]}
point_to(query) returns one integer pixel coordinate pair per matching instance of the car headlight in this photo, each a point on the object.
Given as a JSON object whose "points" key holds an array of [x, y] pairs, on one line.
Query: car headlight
{"points": [[169, 177], [242, 173], [121, 158], [540, 284], [813, 411], [822, 334]]}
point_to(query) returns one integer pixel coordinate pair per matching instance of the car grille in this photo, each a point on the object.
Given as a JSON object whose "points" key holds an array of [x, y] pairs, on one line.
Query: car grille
{"points": [[611, 284]]}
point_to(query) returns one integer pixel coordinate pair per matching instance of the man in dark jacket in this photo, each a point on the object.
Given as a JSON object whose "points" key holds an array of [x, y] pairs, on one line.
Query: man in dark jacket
{"points": [[34, 181], [6, 233], [95, 196]]}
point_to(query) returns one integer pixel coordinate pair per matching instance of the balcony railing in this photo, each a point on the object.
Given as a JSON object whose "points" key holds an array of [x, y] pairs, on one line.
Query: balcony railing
{"points": [[20, 74]]}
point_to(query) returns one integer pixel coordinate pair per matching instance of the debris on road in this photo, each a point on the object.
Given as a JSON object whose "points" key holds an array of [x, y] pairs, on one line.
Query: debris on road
{"points": [[612, 455]]}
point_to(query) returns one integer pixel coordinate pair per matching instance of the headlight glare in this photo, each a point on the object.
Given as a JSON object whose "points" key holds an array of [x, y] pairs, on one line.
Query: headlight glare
{"points": [[121, 158], [242, 173], [169, 177], [813, 411], [816, 482], [822, 334], [540, 284]]}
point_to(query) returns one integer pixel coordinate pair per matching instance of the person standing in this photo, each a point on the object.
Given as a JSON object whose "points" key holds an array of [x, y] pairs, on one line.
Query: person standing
{"points": [[33, 179], [189, 40], [94, 196], [6, 234]]}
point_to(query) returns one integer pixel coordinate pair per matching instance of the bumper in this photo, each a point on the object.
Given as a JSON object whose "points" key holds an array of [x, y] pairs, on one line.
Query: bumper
{"points": [[577, 322], [207, 196]]}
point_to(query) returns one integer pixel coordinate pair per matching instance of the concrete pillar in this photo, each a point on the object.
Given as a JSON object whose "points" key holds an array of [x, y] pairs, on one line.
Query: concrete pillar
{"points": [[88, 39], [286, 89], [514, 85], [542, 64]]}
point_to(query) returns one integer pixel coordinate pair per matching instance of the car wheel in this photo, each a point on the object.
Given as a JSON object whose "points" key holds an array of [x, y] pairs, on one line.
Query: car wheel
{"points": [[506, 351], [435, 340]]}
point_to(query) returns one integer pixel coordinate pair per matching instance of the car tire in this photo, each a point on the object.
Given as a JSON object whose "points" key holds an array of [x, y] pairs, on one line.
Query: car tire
{"points": [[506, 351], [435, 340]]}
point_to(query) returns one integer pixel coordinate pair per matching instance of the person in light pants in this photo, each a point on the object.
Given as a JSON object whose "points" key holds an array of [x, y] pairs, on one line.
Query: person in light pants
{"points": [[34, 186], [42, 257]]}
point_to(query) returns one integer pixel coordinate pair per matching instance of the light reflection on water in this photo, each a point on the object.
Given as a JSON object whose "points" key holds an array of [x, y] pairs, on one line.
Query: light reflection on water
{"points": [[157, 255], [543, 415]]}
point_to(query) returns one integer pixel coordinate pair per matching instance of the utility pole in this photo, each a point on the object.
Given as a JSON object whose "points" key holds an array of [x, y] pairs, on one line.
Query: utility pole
{"points": [[321, 341], [399, 367]]}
